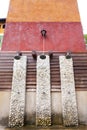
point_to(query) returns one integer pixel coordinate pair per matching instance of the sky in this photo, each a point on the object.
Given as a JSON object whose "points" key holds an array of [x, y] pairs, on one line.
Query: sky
{"points": [[82, 5]]}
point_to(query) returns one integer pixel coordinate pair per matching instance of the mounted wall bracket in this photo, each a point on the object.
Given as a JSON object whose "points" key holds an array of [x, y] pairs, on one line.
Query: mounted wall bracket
{"points": [[68, 55], [43, 32], [18, 55]]}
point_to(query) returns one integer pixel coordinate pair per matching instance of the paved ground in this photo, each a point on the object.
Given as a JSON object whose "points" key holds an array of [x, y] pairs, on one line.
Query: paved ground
{"points": [[50, 128]]}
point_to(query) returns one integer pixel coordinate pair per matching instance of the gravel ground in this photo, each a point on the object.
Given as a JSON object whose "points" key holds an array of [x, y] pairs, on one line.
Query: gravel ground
{"points": [[50, 128]]}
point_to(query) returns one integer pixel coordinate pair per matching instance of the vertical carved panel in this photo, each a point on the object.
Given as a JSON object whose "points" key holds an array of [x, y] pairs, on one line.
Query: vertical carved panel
{"points": [[43, 99], [69, 106], [17, 103]]}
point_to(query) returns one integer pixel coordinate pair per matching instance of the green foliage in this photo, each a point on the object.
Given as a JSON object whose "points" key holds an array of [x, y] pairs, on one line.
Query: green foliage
{"points": [[1, 38], [85, 36]]}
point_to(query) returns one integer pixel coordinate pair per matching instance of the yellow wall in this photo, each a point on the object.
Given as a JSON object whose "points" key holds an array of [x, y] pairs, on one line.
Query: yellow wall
{"points": [[43, 10], [1, 30]]}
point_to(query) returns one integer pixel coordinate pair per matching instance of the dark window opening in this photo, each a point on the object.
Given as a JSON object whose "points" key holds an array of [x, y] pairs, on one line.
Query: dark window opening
{"points": [[3, 25]]}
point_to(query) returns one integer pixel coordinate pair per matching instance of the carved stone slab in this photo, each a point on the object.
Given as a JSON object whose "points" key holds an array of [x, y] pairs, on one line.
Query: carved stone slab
{"points": [[17, 102], [69, 106], [43, 97]]}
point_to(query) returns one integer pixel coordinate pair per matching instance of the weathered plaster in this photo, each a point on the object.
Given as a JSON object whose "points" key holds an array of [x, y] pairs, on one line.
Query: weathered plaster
{"points": [[47, 11], [26, 36]]}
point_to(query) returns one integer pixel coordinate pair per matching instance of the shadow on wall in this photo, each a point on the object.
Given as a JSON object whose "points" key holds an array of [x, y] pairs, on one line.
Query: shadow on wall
{"points": [[4, 121]]}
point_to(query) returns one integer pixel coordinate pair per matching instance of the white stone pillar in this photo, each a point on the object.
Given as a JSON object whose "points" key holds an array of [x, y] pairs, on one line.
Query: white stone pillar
{"points": [[43, 94], [17, 103], [69, 105]]}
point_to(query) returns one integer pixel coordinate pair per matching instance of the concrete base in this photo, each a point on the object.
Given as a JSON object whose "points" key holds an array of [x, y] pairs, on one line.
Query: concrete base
{"points": [[30, 107]]}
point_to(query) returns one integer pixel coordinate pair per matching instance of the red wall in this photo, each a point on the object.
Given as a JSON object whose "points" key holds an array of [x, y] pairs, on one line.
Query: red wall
{"points": [[26, 36]]}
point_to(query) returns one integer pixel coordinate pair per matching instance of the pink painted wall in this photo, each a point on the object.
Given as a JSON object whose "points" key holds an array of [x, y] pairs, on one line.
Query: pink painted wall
{"points": [[26, 36]]}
